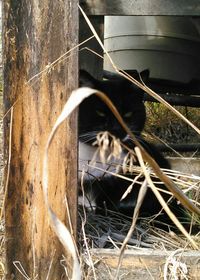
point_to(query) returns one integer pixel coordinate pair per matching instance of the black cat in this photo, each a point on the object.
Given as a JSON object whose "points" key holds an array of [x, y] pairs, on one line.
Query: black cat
{"points": [[94, 117]]}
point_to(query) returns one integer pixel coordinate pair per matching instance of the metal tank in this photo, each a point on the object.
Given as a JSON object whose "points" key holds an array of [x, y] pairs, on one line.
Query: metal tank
{"points": [[168, 46]]}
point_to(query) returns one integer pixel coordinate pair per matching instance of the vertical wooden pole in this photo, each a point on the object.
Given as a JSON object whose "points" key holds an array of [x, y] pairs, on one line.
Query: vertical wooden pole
{"points": [[35, 34]]}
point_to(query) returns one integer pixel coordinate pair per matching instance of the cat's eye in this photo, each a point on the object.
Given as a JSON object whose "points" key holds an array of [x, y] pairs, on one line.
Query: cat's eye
{"points": [[128, 115], [100, 113]]}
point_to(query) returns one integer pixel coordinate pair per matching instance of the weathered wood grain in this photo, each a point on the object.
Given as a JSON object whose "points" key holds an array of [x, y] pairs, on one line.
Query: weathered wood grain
{"points": [[36, 34], [142, 264]]}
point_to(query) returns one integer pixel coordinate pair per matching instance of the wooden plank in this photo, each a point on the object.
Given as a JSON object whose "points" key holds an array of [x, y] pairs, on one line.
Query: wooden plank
{"points": [[142, 264], [189, 165], [35, 35], [142, 7]]}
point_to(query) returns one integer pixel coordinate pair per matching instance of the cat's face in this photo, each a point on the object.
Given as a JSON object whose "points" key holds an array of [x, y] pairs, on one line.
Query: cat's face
{"points": [[94, 115]]}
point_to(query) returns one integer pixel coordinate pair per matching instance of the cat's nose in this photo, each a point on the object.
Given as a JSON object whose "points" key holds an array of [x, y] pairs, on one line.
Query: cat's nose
{"points": [[118, 133]]}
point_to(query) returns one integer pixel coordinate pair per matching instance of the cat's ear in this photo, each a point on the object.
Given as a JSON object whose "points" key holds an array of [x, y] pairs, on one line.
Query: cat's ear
{"points": [[86, 80], [144, 75]]}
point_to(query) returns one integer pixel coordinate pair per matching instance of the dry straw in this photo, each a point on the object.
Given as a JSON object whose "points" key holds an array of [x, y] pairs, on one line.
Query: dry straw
{"points": [[75, 99], [169, 183], [62, 232]]}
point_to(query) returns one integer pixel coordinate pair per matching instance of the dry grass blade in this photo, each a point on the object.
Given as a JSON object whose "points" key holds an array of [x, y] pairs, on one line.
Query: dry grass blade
{"points": [[141, 196], [8, 165], [47, 69], [178, 269], [21, 270], [162, 201], [77, 97], [62, 232], [169, 184], [130, 78], [59, 228], [60, 59], [83, 231], [159, 98]]}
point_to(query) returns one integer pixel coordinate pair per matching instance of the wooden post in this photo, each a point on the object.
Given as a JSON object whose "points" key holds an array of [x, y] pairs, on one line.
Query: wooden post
{"points": [[36, 34]]}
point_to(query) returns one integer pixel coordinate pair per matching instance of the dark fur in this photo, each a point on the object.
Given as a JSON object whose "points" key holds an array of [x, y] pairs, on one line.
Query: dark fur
{"points": [[94, 116], [124, 96]]}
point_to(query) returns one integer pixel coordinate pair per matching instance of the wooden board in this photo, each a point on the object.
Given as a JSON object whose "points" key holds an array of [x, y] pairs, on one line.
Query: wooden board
{"points": [[143, 264]]}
